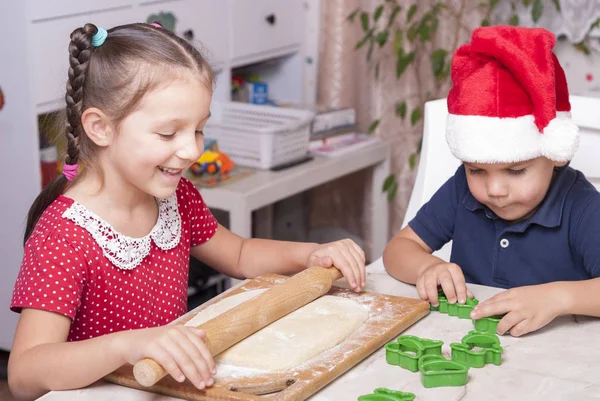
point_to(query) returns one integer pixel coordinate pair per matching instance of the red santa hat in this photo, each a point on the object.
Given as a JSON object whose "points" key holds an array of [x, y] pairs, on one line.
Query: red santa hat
{"points": [[509, 101]]}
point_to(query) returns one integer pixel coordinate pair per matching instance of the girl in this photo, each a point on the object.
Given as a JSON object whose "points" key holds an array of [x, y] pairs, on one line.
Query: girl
{"points": [[107, 249]]}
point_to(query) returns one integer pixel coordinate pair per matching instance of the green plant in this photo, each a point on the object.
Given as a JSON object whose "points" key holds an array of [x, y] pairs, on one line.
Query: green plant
{"points": [[413, 34]]}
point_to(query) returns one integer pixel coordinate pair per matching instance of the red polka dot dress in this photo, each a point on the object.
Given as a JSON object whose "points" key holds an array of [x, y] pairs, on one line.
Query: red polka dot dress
{"points": [[77, 265]]}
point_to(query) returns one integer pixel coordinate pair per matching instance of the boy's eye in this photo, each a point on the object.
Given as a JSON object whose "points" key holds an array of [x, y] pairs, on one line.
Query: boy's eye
{"points": [[167, 137], [200, 133], [475, 171], [516, 172]]}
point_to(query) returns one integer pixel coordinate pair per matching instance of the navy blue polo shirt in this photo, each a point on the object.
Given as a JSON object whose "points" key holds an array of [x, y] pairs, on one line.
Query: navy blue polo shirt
{"points": [[560, 242]]}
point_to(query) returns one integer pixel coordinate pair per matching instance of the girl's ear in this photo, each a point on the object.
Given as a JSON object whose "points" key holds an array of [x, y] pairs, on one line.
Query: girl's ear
{"points": [[97, 126]]}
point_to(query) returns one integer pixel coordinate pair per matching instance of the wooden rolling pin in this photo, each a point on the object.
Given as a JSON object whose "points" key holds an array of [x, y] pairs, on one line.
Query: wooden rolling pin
{"points": [[245, 319]]}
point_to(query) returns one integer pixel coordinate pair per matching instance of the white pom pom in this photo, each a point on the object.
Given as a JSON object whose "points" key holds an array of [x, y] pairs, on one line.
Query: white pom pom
{"points": [[560, 139]]}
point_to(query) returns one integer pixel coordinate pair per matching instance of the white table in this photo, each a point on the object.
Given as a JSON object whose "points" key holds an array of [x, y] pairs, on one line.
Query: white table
{"points": [[560, 362], [264, 187]]}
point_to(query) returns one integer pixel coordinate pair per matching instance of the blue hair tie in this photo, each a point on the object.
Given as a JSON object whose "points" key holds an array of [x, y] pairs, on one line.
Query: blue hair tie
{"points": [[99, 37]]}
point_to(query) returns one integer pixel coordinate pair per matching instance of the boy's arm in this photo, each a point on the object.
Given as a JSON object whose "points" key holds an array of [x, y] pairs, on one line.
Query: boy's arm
{"points": [[406, 256], [581, 297], [529, 308]]}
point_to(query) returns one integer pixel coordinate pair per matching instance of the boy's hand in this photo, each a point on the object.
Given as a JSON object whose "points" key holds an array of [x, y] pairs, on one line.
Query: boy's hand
{"points": [[346, 256], [450, 277], [179, 349], [527, 308]]}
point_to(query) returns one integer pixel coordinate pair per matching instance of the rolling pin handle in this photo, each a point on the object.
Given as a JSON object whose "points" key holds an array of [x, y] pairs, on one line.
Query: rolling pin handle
{"points": [[147, 372]]}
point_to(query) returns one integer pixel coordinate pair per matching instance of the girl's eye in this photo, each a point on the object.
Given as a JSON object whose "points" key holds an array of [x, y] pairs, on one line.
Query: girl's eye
{"points": [[167, 137], [516, 172], [474, 171]]}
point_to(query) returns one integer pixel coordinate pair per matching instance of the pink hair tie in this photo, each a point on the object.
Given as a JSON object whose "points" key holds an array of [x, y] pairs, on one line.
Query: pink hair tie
{"points": [[70, 171], [156, 25]]}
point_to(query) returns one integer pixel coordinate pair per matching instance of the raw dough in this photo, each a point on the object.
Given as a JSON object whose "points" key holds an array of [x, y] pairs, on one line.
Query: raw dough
{"points": [[293, 339], [222, 306]]}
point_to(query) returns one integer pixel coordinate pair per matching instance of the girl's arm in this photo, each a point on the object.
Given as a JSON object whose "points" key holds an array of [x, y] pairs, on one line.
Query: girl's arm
{"points": [[248, 258], [41, 360]]}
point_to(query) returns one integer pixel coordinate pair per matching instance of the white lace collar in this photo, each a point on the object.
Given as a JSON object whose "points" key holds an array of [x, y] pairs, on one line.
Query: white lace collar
{"points": [[127, 252]]}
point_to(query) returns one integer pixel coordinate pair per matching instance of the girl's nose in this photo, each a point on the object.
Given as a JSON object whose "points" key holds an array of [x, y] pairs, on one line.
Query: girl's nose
{"points": [[190, 148]]}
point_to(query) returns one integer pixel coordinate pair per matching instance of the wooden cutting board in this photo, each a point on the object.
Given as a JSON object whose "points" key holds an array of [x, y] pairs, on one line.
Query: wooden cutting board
{"points": [[388, 317]]}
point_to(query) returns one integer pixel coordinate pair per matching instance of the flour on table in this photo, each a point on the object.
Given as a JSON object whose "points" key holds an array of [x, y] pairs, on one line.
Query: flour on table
{"points": [[293, 339]]}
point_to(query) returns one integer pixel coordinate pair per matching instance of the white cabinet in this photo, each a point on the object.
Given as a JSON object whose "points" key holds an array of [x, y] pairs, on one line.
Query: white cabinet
{"points": [[19, 157], [49, 54], [34, 39], [206, 19], [264, 27], [39, 10]]}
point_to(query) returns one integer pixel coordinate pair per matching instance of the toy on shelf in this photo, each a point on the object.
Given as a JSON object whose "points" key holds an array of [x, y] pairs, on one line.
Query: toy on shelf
{"points": [[212, 161]]}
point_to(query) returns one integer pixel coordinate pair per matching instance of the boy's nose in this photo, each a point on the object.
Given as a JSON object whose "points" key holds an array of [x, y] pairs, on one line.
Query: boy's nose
{"points": [[496, 189]]}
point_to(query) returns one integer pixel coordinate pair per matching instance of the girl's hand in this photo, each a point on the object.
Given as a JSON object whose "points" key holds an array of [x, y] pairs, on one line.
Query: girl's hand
{"points": [[179, 349], [447, 275], [346, 256], [527, 308]]}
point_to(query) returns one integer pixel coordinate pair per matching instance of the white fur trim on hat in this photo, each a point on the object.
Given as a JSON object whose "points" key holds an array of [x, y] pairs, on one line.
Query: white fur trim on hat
{"points": [[480, 139]]}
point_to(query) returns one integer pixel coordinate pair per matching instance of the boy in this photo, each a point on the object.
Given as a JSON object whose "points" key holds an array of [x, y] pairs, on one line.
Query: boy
{"points": [[518, 215]]}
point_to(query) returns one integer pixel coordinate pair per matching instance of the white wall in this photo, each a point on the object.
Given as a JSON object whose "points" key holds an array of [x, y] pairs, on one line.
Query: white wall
{"points": [[19, 157]]}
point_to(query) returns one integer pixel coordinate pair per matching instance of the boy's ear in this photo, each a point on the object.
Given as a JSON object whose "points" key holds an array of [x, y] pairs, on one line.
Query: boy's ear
{"points": [[559, 164], [97, 126]]}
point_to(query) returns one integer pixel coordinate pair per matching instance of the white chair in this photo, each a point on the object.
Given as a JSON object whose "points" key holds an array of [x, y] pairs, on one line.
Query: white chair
{"points": [[437, 164], [586, 114]]}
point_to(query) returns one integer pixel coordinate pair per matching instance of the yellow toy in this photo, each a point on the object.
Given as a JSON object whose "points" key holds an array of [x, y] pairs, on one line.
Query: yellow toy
{"points": [[212, 162]]}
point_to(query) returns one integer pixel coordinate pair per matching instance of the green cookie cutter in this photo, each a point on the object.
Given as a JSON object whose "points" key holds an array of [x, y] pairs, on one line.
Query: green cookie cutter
{"points": [[491, 351], [383, 394], [463, 311], [487, 324], [407, 350], [437, 371]]}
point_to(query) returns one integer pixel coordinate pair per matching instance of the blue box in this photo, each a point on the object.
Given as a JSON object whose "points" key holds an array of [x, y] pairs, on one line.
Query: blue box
{"points": [[258, 92]]}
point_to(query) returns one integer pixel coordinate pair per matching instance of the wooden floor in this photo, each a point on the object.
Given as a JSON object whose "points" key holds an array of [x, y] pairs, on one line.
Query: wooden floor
{"points": [[4, 393]]}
